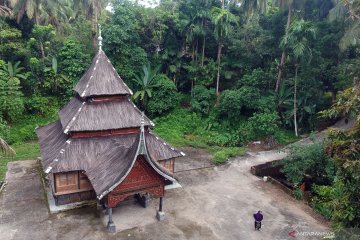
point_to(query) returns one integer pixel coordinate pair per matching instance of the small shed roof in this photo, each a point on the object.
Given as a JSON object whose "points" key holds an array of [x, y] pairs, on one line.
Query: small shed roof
{"points": [[101, 79]]}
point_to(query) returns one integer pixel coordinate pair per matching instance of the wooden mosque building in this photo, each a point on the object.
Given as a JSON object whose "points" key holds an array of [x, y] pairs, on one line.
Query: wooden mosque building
{"points": [[102, 147]]}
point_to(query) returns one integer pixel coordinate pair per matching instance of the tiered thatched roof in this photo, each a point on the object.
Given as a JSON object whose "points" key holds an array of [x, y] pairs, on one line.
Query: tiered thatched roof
{"points": [[102, 103]]}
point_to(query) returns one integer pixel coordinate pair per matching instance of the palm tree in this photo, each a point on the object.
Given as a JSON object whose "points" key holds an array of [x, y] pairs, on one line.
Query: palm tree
{"points": [[286, 5], [146, 83], [5, 148], [5, 10], [41, 11], [297, 42], [223, 20], [92, 10]]}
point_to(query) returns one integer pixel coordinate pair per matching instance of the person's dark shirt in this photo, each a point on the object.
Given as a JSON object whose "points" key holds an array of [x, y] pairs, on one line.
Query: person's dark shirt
{"points": [[258, 217]]}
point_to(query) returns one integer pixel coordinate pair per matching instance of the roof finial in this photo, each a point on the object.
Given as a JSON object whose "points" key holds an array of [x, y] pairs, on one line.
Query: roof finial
{"points": [[100, 39]]}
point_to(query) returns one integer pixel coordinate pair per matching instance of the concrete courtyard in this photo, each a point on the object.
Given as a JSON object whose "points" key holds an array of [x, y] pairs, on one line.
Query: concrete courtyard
{"points": [[214, 203]]}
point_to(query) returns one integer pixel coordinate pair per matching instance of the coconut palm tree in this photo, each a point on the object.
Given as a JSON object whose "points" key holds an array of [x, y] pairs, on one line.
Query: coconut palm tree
{"points": [[92, 10], [41, 11], [297, 43], [5, 10], [223, 20], [145, 82], [286, 5]]}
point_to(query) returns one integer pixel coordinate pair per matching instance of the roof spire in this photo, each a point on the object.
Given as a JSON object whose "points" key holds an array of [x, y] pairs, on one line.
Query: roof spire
{"points": [[100, 39]]}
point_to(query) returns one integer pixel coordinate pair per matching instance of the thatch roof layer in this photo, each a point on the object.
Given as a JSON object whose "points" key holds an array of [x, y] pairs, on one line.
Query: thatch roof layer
{"points": [[105, 159], [101, 79], [97, 116]]}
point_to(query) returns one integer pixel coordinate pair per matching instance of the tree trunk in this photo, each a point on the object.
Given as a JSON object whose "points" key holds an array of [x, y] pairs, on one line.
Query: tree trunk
{"points": [[203, 52], [196, 50], [203, 45], [295, 93], [37, 22], [42, 50], [283, 55], [94, 22], [218, 69]]}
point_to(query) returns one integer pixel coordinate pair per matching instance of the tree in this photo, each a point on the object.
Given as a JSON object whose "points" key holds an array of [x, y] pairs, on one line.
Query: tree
{"points": [[223, 20], [41, 11], [297, 41], [145, 83], [344, 148], [285, 5], [92, 10]]}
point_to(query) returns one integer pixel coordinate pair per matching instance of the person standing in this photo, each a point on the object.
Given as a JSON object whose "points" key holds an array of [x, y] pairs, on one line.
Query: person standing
{"points": [[258, 218]]}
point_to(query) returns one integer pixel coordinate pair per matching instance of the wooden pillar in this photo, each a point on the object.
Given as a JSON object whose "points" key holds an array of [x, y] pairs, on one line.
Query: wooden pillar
{"points": [[110, 226], [160, 215], [160, 204]]}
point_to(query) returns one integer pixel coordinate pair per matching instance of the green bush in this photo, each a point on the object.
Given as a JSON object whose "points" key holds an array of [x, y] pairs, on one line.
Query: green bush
{"points": [[41, 105], [11, 101], [203, 99], [221, 155], [179, 126], [298, 194], [24, 128], [243, 101], [264, 124], [308, 159], [164, 96]]}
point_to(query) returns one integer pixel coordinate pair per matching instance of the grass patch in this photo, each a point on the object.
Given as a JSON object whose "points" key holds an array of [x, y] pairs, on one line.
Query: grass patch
{"points": [[24, 151], [222, 154]]}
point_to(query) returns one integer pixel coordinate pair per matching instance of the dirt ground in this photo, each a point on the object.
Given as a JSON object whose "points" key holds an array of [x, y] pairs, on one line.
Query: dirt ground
{"points": [[214, 203]]}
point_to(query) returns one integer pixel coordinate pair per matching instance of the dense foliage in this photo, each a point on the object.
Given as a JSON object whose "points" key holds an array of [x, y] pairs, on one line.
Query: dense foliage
{"points": [[214, 74]]}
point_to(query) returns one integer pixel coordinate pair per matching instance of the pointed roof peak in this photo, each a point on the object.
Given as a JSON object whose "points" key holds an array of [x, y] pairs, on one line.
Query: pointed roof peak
{"points": [[100, 39], [101, 78]]}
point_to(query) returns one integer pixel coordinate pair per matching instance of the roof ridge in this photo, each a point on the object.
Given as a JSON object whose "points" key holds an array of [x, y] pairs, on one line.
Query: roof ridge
{"points": [[166, 144], [92, 74], [56, 159], [122, 81], [136, 108], [68, 126]]}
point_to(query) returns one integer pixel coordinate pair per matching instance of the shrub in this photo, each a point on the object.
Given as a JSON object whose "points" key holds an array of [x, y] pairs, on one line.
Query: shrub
{"points": [[308, 159], [43, 106], [203, 99], [11, 101], [264, 124], [298, 194], [164, 96], [243, 101], [221, 155]]}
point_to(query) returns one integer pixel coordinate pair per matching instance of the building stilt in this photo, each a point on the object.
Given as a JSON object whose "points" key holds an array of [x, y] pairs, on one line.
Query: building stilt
{"points": [[110, 226], [160, 215]]}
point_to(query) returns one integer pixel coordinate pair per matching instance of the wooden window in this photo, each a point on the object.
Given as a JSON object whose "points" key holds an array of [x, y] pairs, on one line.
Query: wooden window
{"points": [[66, 182]]}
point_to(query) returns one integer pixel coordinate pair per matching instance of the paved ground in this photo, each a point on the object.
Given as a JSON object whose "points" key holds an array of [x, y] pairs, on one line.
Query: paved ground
{"points": [[214, 203]]}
